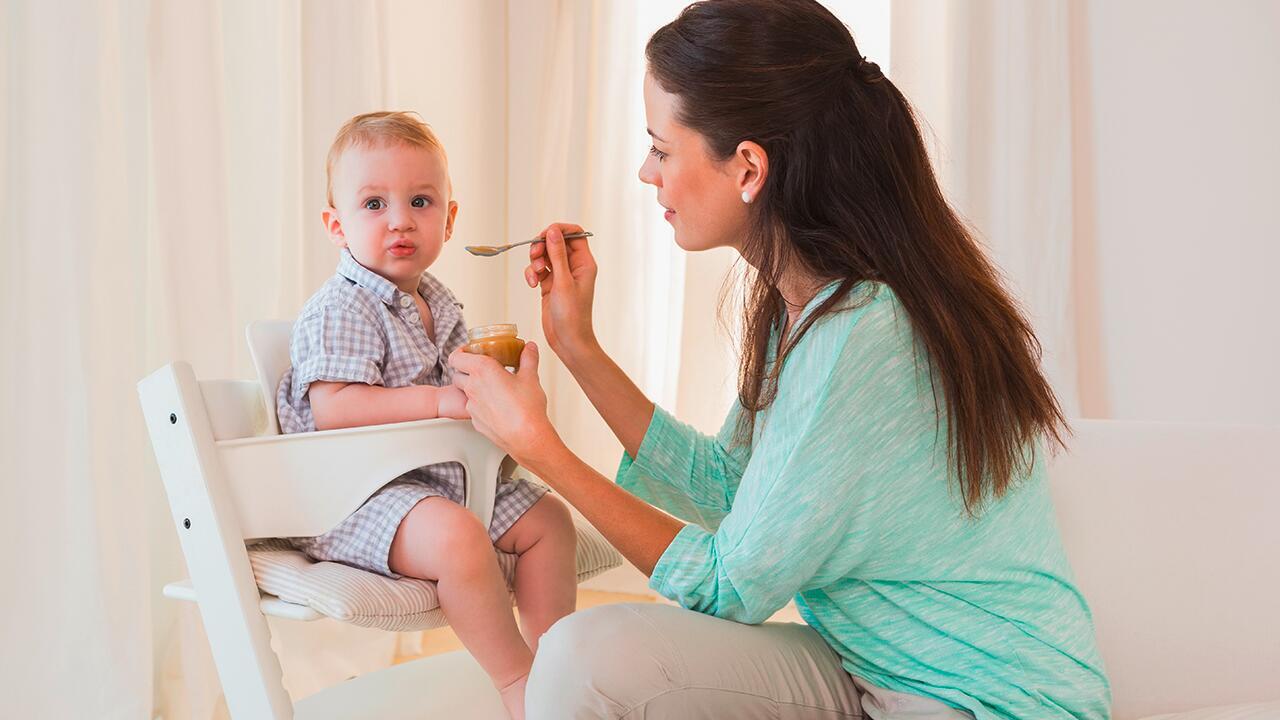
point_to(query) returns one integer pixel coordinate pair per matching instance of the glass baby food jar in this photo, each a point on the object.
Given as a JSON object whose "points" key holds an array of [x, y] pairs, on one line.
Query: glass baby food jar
{"points": [[498, 342]]}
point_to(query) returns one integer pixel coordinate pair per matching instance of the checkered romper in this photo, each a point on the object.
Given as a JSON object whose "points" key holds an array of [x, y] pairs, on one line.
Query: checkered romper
{"points": [[359, 327]]}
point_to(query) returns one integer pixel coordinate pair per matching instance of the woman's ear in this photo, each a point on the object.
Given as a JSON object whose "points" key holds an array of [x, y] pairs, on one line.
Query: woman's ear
{"points": [[751, 168], [449, 218], [333, 226]]}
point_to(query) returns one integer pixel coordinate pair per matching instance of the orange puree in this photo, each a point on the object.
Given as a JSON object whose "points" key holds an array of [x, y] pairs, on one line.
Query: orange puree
{"points": [[498, 342]]}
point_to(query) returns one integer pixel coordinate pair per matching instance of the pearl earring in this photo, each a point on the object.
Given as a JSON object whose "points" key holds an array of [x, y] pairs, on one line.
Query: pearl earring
{"points": [[746, 197]]}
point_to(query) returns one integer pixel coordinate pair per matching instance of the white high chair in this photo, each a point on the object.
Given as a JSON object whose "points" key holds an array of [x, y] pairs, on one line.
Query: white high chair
{"points": [[231, 477]]}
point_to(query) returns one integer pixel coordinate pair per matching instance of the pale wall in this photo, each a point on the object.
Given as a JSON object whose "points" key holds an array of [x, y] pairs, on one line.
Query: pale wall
{"points": [[1177, 209]]}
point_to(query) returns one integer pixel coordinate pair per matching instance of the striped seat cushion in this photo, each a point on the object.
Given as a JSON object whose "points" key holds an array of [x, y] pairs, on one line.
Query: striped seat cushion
{"points": [[370, 600]]}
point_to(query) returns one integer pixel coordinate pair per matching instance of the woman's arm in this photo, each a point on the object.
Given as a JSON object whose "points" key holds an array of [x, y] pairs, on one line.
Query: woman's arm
{"points": [[624, 408], [684, 472], [512, 411], [566, 276], [638, 530]]}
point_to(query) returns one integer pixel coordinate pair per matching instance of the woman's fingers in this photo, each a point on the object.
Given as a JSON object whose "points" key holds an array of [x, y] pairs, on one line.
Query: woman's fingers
{"points": [[467, 364], [528, 369], [535, 273], [562, 228], [559, 253]]}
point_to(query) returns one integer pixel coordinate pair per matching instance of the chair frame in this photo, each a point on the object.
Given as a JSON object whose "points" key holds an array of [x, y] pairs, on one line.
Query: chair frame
{"points": [[226, 488]]}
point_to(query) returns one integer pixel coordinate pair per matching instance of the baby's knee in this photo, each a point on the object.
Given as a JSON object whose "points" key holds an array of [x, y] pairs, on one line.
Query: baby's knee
{"points": [[558, 518], [447, 529], [598, 662]]}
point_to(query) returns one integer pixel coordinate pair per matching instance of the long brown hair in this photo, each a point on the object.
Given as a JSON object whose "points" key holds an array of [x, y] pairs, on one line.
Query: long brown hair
{"points": [[850, 197]]}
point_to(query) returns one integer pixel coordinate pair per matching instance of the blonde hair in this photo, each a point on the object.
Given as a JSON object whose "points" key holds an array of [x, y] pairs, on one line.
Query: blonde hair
{"points": [[373, 128]]}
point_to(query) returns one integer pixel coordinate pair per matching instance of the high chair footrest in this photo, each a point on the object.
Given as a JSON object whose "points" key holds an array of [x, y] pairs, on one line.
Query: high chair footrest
{"points": [[463, 692], [269, 604]]}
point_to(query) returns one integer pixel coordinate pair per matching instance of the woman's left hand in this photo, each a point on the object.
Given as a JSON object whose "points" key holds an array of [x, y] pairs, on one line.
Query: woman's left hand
{"points": [[508, 408]]}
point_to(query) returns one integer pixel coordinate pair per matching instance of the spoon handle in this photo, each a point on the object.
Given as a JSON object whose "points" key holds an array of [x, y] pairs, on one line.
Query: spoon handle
{"points": [[567, 236]]}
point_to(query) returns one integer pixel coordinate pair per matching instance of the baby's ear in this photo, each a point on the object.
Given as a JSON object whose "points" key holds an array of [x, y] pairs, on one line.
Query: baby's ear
{"points": [[448, 223], [333, 226]]}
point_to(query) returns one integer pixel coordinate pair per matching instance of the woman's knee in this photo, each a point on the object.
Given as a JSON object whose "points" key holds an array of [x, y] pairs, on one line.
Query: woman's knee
{"points": [[599, 663]]}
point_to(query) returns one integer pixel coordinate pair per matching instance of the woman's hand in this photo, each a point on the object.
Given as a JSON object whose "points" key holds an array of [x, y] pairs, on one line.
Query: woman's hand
{"points": [[509, 409], [566, 273]]}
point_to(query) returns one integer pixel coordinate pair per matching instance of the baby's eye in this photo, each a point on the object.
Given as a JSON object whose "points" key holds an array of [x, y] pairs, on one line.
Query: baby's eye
{"points": [[654, 151], [374, 204], [420, 202]]}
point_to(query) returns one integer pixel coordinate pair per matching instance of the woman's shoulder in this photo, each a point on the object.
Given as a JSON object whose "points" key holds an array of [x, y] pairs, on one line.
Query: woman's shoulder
{"points": [[865, 340], [865, 323], [870, 313]]}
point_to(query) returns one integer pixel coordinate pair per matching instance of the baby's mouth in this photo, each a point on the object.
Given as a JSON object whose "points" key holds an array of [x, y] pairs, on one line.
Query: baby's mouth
{"points": [[403, 248]]}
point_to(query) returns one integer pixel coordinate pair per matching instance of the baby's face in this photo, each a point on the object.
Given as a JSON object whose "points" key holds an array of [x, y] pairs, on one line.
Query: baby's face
{"points": [[393, 209]]}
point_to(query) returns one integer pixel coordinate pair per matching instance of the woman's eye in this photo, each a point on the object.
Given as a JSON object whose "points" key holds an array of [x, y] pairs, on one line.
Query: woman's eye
{"points": [[654, 151], [374, 204], [420, 201]]}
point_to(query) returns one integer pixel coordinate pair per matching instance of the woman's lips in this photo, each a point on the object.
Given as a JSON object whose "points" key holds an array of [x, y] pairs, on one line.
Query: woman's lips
{"points": [[668, 215]]}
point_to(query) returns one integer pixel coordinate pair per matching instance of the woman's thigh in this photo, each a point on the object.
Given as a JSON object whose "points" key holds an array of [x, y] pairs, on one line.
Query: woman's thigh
{"points": [[658, 661], [653, 662]]}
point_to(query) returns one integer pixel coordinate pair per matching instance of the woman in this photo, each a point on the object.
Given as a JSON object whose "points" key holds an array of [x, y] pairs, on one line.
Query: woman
{"points": [[884, 465]]}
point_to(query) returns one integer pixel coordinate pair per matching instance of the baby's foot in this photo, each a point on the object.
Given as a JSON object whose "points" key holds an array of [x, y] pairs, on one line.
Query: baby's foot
{"points": [[513, 697]]}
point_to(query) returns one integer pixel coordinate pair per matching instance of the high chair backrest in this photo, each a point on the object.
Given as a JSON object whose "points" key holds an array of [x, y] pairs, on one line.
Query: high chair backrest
{"points": [[269, 349]]}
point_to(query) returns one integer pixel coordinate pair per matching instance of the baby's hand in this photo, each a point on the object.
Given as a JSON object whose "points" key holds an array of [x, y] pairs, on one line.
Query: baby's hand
{"points": [[452, 403]]}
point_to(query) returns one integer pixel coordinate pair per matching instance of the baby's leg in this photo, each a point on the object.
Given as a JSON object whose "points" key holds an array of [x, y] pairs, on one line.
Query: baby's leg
{"points": [[443, 541], [546, 572]]}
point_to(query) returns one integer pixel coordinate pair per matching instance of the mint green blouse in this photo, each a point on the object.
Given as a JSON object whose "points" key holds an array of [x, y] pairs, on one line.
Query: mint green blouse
{"points": [[843, 501]]}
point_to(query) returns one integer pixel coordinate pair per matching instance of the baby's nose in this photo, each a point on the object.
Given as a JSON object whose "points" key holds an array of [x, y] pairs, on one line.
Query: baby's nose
{"points": [[399, 221]]}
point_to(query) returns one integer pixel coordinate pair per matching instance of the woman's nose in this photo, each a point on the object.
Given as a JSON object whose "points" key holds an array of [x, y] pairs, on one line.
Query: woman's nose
{"points": [[649, 172]]}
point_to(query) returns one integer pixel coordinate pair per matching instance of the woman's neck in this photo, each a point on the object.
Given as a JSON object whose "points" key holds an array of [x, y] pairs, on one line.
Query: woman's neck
{"points": [[797, 290]]}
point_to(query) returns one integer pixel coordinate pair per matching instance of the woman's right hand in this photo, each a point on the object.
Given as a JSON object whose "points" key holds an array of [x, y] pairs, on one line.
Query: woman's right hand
{"points": [[565, 271]]}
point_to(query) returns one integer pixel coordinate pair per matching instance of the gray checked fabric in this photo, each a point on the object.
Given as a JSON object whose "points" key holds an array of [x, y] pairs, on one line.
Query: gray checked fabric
{"points": [[359, 327]]}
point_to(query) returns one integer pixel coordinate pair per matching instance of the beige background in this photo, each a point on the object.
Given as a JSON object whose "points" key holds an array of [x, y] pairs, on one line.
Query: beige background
{"points": [[160, 186]]}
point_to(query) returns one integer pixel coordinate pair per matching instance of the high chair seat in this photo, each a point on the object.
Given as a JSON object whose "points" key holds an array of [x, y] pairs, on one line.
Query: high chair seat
{"points": [[367, 599]]}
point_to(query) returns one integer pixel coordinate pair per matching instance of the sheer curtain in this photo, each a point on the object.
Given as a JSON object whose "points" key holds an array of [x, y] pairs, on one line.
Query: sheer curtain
{"points": [[992, 82], [576, 140], [162, 185]]}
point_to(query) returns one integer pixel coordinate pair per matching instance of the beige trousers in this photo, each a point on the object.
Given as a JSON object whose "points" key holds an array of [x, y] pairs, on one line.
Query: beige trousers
{"points": [[653, 662]]}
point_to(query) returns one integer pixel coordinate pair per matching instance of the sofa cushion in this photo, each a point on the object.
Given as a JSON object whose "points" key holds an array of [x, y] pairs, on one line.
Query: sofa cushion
{"points": [[363, 598]]}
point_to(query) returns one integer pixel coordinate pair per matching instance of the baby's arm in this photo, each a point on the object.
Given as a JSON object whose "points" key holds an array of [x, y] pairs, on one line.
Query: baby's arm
{"points": [[343, 405]]}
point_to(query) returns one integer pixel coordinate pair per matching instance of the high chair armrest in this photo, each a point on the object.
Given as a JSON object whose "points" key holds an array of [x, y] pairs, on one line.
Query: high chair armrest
{"points": [[303, 484]]}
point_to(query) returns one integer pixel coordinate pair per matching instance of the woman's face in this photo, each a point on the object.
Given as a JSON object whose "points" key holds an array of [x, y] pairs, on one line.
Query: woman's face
{"points": [[701, 195]]}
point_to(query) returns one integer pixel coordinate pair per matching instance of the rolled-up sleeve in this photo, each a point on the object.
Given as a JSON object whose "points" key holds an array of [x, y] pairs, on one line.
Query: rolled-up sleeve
{"points": [[794, 522], [686, 473], [336, 344]]}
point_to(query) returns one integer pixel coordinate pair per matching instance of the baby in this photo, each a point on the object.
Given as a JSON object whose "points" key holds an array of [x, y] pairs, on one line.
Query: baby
{"points": [[372, 346]]}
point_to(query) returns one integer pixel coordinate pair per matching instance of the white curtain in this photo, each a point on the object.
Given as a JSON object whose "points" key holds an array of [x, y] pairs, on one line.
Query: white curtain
{"points": [[992, 82], [577, 138], [162, 185], [75, 489]]}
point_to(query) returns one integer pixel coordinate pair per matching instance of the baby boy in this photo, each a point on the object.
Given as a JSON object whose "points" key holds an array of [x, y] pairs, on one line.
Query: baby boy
{"points": [[371, 347]]}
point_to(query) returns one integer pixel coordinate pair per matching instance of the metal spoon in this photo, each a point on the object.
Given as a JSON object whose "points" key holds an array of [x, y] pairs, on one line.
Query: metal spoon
{"points": [[491, 250]]}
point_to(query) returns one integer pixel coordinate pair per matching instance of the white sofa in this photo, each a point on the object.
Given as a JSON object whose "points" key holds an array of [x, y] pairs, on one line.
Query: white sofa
{"points": [[1173, 531]]}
